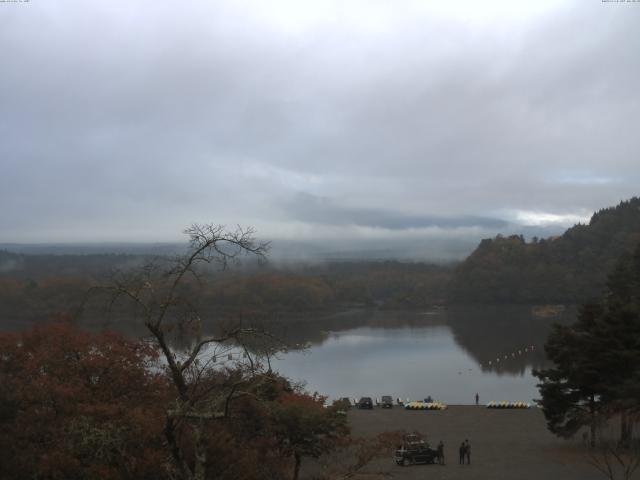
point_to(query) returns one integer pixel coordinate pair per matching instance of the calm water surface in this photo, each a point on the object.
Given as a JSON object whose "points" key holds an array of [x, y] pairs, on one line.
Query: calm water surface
{"points": [[415, 354]]}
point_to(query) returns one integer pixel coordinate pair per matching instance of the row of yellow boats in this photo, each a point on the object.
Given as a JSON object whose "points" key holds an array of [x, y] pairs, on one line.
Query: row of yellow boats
{"points": [[425, 406], [494, 404]]}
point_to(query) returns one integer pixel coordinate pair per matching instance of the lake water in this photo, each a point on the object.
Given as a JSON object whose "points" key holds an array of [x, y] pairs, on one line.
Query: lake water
{"points": [[449, 355]]}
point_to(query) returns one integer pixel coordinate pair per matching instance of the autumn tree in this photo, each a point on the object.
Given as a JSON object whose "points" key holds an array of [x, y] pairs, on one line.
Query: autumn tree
{"points": [[163, 295], [79, 405], [304, 427]]}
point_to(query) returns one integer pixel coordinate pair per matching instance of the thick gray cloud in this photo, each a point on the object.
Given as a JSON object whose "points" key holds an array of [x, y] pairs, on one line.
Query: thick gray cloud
{"points": [[312, 120], [309, 208]]}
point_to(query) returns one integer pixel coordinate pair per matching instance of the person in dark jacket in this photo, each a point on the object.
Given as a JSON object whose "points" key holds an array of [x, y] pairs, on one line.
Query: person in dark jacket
{"points": [[467, 451], [441, 453], [462, 451]]}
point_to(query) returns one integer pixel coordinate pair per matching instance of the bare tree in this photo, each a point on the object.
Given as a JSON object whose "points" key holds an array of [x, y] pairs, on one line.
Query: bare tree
{"points": [[161, 295], [614, 459], [358, 454]]}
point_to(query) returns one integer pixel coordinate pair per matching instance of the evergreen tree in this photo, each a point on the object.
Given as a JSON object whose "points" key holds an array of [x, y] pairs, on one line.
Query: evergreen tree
{"points": [[571, 389], [597, 360]]}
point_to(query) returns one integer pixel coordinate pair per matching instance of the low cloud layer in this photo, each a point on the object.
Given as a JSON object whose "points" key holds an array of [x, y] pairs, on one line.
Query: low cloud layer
{"points": [[337, 120], [323, 211]]}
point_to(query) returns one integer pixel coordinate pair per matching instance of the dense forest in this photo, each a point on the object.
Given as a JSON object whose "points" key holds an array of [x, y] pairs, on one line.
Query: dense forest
{"points": [[38, 286], [567, 269]]}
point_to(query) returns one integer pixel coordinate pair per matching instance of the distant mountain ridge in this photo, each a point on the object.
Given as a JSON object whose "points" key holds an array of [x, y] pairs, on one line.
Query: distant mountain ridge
{"points": [[570, 268]]}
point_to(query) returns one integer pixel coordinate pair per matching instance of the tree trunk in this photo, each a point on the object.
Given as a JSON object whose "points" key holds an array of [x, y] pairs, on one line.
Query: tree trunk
{"points": [[626, 429], [593, 425], [296, 469], [200, 451], [170, 435]]}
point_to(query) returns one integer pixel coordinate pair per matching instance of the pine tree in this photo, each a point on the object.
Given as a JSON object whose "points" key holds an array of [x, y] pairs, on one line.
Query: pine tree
{"points": [[596, 373]]}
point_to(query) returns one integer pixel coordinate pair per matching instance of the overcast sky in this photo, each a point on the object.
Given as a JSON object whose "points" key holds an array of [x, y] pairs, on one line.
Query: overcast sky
{"points": [[314, 120]]}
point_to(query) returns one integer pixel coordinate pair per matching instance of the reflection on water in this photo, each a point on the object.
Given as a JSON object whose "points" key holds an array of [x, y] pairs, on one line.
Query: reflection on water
{"points": [[443, 354]]}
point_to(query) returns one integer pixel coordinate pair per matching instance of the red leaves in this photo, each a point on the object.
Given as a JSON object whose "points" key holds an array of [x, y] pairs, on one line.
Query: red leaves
{"points": [[75, 404], [56, 376], [287, 398]]}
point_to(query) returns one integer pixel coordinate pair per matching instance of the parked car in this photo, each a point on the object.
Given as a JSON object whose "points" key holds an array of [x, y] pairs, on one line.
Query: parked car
{"points": [[386, 401], [365, 402], [415, 450]]}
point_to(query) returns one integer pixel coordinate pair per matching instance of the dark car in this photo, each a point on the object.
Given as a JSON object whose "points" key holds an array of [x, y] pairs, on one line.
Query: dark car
{"points": [[414, 450], [415, 455], [365, 402], [386, 401]]}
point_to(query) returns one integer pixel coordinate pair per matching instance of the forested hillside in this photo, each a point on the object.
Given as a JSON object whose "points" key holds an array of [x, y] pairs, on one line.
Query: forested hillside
{"points": [[567, 269], [36, 287]]}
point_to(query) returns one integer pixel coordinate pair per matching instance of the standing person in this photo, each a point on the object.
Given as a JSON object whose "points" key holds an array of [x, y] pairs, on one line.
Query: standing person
{"points": [[467, 451], [441, 453], [462, 451], [477, 398]]}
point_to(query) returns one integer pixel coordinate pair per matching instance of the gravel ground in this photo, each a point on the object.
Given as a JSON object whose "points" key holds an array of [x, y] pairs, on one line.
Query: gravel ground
{"points": [[505, 444]]}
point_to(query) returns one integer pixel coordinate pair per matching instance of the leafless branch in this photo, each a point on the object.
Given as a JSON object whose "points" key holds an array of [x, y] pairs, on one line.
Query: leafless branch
{"points": [[614, 460], [157, 292]]}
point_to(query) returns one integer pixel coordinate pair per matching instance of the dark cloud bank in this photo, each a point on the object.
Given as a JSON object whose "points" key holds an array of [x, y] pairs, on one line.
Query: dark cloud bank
{"points": [[340, 125]]}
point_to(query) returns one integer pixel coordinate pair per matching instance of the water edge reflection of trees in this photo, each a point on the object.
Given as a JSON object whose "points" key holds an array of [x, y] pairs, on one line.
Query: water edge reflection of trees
{"points": [[487, 334]]}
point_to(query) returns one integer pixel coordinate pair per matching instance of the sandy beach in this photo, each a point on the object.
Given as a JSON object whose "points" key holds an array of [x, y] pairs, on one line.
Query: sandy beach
{"points": [[506, 444]]}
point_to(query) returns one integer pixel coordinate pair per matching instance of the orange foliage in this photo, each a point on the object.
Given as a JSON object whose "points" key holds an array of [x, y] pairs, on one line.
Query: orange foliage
{"points": [[79, 405]]}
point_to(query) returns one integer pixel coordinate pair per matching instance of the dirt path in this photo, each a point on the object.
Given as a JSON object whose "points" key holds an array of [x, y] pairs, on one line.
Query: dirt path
{"points": [[505, 444]]}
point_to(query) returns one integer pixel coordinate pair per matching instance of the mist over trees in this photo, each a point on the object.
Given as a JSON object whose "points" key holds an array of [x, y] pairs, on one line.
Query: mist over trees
{"points": [[101, 406], [29, 296], [199, 412], [571, 268]]}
